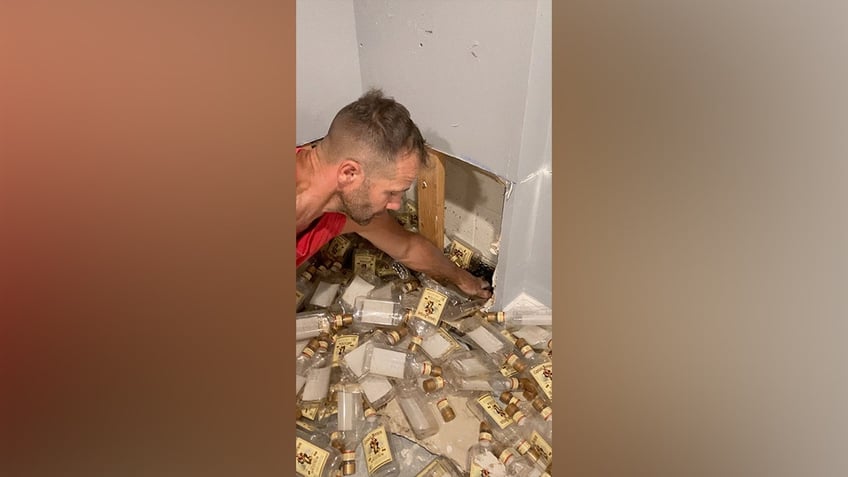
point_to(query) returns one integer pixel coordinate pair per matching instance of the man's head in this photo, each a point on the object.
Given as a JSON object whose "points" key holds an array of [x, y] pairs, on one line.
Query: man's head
{"points": [[378, 151]]}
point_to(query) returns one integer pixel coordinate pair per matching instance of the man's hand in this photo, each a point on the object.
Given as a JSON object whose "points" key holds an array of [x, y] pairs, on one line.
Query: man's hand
{"points": [[472, 286]]}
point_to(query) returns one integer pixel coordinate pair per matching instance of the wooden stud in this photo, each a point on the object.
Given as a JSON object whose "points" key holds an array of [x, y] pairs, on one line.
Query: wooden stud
{"points": [[431, 200]]}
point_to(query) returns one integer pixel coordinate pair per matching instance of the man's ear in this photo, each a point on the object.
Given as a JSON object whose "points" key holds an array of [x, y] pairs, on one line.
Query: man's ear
{"points": [[350, 174]]}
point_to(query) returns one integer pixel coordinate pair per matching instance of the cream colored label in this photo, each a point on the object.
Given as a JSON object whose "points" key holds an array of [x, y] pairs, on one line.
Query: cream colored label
{"points": [[442, 404], [309, 459], [435, 469], [430, 306], [511, 359], [338, 247], [542, 446], [363, 261], [486, 465], [546, 412], [310, 411], [508, 370], [523, 447], [488, 403], [344, 344], [375, 445], [460, 254], [544, 375]]}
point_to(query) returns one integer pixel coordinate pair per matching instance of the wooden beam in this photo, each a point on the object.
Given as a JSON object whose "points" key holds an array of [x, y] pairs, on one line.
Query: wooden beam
{"points": [[431, 200]]}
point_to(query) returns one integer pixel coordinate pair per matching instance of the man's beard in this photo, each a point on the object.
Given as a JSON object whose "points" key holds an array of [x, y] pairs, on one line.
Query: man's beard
{"points": [[357, 206]]}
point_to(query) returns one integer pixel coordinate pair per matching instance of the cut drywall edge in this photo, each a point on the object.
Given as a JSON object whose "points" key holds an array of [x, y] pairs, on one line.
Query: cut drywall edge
{"points": [[525, 302]]}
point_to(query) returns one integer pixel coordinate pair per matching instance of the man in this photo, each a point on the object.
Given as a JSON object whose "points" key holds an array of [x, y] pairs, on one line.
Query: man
{"points": [[361, 169]]}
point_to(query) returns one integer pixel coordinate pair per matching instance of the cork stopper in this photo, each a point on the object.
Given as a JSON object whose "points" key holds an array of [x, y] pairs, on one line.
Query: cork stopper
{"points": [[307, 275], [494, 317], [341, 320], [433, 384], [436, 370], [336, 267], [506, 397], [348, 462], [395, 335], [298, 413], [407, 315], [411, 285], [485, 432], [447, 411], [323, 342], [415, 344], [525, 348], [369, 411], [506, 334], [519, 366]]}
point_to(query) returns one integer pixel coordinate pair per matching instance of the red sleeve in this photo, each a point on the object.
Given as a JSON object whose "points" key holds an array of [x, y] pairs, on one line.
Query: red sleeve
{"points": [[329, 225]]}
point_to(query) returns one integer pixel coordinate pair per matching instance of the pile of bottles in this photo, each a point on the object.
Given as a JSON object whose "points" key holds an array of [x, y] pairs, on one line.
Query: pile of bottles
{"points": [[370, 331]]}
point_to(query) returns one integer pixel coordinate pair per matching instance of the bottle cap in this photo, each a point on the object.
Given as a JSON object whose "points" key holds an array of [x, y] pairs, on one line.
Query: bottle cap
{"points": [[436, 370], [433, 384], [445, 408], [506, 397]]}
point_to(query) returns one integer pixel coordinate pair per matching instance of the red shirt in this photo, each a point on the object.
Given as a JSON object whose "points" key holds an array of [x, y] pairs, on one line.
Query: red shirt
{"points": [[319, 233]]}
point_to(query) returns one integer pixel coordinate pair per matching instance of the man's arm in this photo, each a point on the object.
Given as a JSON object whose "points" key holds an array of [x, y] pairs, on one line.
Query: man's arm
{"points": [[417, 253]]}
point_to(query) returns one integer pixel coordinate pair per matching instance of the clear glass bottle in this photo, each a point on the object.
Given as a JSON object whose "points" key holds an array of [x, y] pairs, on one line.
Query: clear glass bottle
{"points": [[417, 410], [471, 363], [517, 319], [438, 391], [370, 313], [394, 363], [441, 466], [480, 460], [486, 337], [314, 456], [380, 459], [440, 346], [309, 324], [304, 286]]}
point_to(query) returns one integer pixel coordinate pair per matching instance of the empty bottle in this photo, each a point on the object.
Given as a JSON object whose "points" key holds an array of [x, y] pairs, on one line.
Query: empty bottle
{"points": [[314, 456], [380, 459], [417, 410]]}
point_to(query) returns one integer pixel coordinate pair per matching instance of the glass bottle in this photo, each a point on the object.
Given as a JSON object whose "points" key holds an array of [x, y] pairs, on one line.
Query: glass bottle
{"points": [[393, 363], [486, 337], [441, 466], [472, 363], [314, 456], [309, 324], [417, 410], [380, 459], [438, 391], [480, 461], [369, 313], [304, 286], [517, 319]]}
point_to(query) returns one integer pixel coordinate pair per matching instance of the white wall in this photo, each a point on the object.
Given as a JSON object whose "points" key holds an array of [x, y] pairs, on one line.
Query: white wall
{"points": [[327, 64], [476, 76]]}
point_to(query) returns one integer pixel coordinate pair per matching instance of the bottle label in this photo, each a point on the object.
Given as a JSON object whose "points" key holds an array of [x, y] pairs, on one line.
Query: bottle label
{"points": [[376, 448], [486, 465], [442, 404], [426, 368], [364, 261], [506, 456], [439, 382], [308, 352], [511, 359], [500, 317], [518, 416], [309, 411], [544, 375], [523, 447], [338, 247], [309, 459], [488, 403], [439, 344], [430, 306], [543, 447], [546, 412], [344, 344], [435, 469], [508, 370], [460, 254]]}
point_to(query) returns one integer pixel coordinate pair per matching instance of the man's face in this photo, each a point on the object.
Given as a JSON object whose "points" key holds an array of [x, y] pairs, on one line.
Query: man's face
{"points": [[382, 192]]}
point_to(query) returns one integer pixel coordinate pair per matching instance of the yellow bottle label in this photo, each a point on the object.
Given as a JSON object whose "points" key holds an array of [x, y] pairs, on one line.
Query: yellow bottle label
{"points": [[430, 306], [310, 411], [488, 403], [435, 469], [364, 261], [309, 459], [338, 247], [486, 465], [344, 345], [460, 254], [376, 448], [508, 370], [542, 446], [523, 447], [544, 375]]}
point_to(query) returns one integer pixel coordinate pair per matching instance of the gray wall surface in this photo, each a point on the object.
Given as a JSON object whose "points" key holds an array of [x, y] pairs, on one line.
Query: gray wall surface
{"points": [[327, 64]]}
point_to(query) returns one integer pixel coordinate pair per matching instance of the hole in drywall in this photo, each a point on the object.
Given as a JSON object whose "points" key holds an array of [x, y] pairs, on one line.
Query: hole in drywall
{"points": [[421, 45], [361, 45]]}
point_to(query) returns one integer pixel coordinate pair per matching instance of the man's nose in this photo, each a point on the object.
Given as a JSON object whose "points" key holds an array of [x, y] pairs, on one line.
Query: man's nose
{"points": [[394, 204]]}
